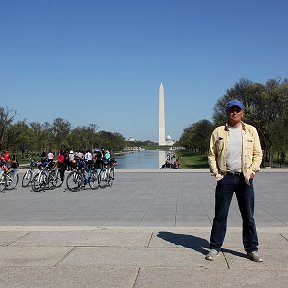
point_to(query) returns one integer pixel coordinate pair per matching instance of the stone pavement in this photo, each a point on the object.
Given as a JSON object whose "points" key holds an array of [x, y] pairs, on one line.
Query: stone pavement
{"points": [[150, 229]]}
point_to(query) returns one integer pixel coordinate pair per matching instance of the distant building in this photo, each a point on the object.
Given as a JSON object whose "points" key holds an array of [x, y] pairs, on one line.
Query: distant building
{"points": [[169, 141], [163, 141], [131, 139]]}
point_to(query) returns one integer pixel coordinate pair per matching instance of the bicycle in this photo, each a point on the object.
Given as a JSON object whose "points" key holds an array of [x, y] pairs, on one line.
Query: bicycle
{"points": [[39, 180], [8, 178], [48, 176], [107, 173], [82, 175], [29, 174]]}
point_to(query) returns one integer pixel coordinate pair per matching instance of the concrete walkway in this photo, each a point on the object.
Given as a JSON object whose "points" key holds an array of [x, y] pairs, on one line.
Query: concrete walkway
{"points": [[150, 229]]}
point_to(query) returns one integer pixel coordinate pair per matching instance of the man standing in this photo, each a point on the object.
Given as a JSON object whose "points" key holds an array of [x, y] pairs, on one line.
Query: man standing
{"points": [[235, 156]]}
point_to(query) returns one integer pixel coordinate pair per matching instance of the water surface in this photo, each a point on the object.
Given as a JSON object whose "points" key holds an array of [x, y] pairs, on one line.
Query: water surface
{"points": [[147, 159]]}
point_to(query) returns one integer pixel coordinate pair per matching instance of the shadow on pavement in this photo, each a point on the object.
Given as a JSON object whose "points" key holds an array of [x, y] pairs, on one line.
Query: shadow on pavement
{"points": [[187, 241], [193, 242], [235, 253]]}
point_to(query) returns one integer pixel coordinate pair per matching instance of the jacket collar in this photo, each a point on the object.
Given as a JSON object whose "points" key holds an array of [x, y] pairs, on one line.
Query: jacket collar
{"points": [[243, 126]]}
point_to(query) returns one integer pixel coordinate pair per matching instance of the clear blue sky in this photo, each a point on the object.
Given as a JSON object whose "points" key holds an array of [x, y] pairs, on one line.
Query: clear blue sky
{"points": [[101, 62]]}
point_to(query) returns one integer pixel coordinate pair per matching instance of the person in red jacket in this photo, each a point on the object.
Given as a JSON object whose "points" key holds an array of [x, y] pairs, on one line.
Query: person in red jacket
{"points": [[61, 164], [6, 159]]}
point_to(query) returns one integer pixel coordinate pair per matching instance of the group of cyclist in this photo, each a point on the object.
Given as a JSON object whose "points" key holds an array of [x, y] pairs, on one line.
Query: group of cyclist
{"points": [[68, 159], [95, 168]]}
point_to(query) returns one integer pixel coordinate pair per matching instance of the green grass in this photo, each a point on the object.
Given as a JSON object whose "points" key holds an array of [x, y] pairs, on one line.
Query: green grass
{"points": [[26, 160], [189, 160]]}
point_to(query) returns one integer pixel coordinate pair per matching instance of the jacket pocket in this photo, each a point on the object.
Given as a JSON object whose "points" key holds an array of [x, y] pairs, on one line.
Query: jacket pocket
{"points": [[219, 144], [250, 144]]}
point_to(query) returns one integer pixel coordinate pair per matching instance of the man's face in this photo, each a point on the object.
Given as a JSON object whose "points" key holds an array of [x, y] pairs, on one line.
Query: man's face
{"points": [[235, 115]]}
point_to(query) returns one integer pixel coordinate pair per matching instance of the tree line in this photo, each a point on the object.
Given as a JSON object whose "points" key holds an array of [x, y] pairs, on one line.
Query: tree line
{"points": [[24, 138], [266, 108]]}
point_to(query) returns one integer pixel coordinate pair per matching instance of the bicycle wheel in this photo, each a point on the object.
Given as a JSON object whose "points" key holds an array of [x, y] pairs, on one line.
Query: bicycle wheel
{"points": [[54, 179], [39, 181], [103, 178], [12, 179], [111, 177], [74, 181], [2, 182], [94, 180], [51, 180], [27, 178], [58, 181]]}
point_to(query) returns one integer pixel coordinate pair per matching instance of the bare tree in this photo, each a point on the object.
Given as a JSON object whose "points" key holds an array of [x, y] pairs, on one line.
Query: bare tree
{"points": [[6, 119]]}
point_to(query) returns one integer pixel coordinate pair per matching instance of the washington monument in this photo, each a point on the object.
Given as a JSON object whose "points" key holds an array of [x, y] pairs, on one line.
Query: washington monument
{"points": [[162, 138]]}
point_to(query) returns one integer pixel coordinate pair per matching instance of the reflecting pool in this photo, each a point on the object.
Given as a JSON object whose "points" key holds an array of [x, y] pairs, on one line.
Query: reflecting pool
{"points": [[146, 159]]}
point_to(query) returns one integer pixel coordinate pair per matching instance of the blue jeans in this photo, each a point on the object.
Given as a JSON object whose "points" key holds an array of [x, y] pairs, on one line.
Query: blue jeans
{"points": [[245, 197]]}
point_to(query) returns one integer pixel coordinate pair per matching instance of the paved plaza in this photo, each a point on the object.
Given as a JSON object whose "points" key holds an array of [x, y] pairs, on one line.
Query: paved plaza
{"points": [[150, 229]]}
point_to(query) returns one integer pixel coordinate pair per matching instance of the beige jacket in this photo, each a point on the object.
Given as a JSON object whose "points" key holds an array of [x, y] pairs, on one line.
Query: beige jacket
{"points": [[251, 151]]}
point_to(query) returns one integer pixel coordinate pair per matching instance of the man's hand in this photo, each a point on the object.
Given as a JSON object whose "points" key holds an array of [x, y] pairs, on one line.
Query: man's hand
{"points": [[252, 175], [217, 176]]}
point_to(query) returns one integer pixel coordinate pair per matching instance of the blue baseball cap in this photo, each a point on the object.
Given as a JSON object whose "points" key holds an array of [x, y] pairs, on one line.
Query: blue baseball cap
{"points": [[234, 102]]}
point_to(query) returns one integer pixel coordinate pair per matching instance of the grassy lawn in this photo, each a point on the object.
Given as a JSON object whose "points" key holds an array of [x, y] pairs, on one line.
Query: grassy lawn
{"points": [[27, 160], [189, 160]]}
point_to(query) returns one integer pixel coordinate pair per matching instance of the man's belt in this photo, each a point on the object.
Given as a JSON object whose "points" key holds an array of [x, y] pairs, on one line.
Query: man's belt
{"points": [[234, 173]]}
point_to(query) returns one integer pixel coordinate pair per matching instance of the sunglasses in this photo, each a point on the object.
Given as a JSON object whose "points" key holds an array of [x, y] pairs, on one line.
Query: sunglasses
{"points": [[234, 109]]}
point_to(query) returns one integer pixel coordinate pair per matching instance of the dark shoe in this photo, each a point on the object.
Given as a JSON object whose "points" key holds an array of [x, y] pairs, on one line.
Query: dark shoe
{"points": [[212, 255], [254, 256]]}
